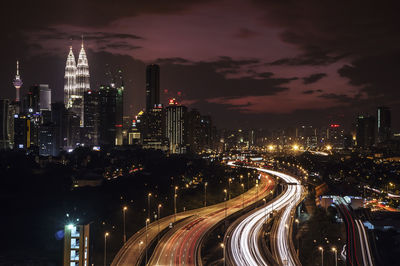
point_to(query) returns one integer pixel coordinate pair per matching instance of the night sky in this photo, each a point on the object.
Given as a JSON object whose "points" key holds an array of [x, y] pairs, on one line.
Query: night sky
{"points": [[261, 64]]}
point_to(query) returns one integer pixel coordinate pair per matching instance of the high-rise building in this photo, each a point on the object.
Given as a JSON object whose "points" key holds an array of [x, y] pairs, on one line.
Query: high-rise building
{"points": [[17, 84], [91, 112], [70, 80], [82, 80], [76, 82], [384, 124], [110, 115], [365, 131], [59, 120], [152, 86], [4, 124], [45, 97], [176, 127], [76, 245], [47, 138], [22, 132]]}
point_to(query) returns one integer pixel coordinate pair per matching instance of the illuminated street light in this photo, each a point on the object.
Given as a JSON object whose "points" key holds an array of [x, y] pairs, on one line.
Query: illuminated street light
{"points": [[335, 251], [158, 220], [322, 255], [229, 188], [148, 205], [205, 194], [223, 252], [271, 147], [123, 212], [242, 195], [226, 209], [175, 196], [295, 147], [147, 222], [105, 248]]}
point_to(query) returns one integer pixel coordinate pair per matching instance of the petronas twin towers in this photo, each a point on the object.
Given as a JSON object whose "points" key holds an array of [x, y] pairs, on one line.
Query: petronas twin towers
{"points": [[76, 82]]}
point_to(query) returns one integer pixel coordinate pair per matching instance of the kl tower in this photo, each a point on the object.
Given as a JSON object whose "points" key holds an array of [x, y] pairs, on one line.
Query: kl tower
{"points": [[17, 83]]}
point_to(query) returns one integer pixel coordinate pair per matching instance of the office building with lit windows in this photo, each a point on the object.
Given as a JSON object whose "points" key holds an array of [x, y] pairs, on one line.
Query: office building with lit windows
{"points": [[76, 245]]}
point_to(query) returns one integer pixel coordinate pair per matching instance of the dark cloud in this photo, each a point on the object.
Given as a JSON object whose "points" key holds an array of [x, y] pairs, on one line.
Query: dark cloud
{"points": [[23, 15], [205, 80], [311, 91], [314, 57], [377, 75], [174, 60], [121, 46], [313, 78]]}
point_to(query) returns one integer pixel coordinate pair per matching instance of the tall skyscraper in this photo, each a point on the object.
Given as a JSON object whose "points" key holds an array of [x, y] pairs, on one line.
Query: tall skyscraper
{"points": [[110, 99], [45, 97], [4, 124], [76, 82], [365, 131], [17, 84], [92, 108], [70, 80], [152, 86], [384, 123], [176, 127]]}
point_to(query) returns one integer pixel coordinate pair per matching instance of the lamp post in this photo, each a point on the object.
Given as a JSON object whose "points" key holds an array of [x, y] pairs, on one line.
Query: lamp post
{"points": [[123, 214], [147, 221], [175, 196], [148, 205], [265, 211], [226, 210], [322, 255], [229, 188], [105, 248], [205, 194], [158, 220], [223, 252], [242, 195], [257, 190], [335, 251], [297, 232], [140, 243]]}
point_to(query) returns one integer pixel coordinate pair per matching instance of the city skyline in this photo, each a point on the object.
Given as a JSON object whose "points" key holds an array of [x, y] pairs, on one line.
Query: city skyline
{"points": [[262, 68]]}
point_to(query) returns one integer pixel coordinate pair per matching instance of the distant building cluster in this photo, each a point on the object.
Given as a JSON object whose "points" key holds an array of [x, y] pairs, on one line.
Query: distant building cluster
{"points": [[369, 133], [93, 117]]}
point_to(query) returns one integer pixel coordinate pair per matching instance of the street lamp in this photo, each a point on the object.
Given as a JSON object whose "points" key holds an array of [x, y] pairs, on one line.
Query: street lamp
{"points": [[322, 255], [226, 210], [140, 243], [123, 212], [265, 210], [158, 220], [229, 188], [335, 251], [223, 252], [105, 248], [147, 222], [242, 195], [175, 196], [148, 205], [256, 189], [205, 194]]}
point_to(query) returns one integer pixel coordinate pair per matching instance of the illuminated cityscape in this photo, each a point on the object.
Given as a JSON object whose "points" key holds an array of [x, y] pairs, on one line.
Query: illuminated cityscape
{"points": [[203, 133]]}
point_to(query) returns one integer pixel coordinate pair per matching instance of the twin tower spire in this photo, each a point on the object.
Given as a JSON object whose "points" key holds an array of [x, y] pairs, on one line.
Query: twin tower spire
{"points": [[76, 82]]}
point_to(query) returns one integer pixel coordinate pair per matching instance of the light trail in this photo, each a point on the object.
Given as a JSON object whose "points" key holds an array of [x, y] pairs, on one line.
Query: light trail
{"points": [[243, 242]]}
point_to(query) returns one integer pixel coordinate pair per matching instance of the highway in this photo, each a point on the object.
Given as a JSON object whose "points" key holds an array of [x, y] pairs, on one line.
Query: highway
{"points": [[357, 245], [243, 243], [180, 246], [198, 221]]}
